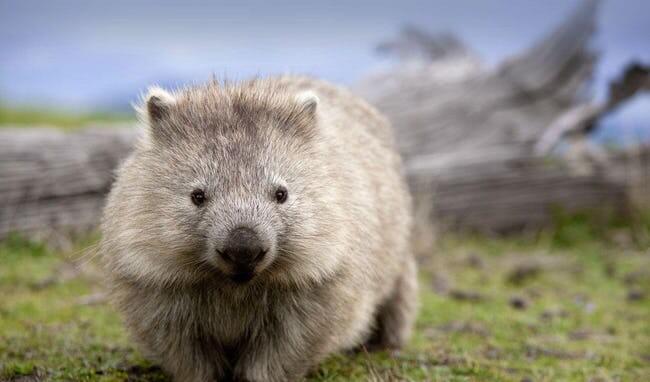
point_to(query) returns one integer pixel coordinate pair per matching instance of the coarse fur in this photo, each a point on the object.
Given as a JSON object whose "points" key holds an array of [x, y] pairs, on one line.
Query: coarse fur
{"points": [[339, 271]]}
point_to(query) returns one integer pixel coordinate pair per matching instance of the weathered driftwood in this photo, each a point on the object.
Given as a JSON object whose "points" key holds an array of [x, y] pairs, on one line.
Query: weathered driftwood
{"points": [[475, 146], [52, 181], [581, 118], [510, 105]]}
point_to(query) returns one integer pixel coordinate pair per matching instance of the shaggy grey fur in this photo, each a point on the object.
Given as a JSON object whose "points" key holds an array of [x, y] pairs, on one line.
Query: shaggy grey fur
{"points": [[338, 270]]}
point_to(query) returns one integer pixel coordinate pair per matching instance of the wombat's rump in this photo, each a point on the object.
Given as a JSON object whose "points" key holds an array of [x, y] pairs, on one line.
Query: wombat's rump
{"points": [[259, 227]]}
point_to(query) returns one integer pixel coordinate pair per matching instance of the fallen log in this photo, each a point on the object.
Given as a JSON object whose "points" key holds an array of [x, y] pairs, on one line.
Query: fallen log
{"points": [[506, 193], [52, 181]]}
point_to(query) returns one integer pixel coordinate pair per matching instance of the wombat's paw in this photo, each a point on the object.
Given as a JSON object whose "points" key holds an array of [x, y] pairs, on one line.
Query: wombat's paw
{"points": [[375, 346]]}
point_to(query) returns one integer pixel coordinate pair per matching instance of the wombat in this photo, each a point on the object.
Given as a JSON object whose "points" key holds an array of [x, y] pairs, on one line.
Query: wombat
{"points": [[259, 227]]}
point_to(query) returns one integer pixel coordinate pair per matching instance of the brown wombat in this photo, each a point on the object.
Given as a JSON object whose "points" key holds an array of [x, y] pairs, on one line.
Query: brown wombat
{"points": [[257, 228]]}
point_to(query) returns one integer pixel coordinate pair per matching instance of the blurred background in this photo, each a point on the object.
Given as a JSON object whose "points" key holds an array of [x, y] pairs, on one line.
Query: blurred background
{"points": [[524, 128]]}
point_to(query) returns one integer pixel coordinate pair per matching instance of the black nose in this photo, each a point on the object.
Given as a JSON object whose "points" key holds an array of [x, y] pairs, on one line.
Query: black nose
{"points": [[243, 249]]}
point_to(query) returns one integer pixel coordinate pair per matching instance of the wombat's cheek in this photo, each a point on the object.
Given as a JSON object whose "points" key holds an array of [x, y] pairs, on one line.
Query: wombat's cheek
{"points": [[211, 257], [267, 261]]}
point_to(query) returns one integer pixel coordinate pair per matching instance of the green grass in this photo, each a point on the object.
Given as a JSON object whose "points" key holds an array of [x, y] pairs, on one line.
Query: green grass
{"points": [[572, 305], [43, 117]]}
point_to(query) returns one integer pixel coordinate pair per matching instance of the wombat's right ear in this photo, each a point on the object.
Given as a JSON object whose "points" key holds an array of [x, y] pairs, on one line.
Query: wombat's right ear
{"points": [[308, 101], [156, 106]]}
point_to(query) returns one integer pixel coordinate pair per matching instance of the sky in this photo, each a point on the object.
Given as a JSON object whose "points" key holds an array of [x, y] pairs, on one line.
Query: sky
{"points": [[82, 54]]}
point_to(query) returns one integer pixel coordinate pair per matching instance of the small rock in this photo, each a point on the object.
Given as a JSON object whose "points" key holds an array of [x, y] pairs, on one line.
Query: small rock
{"points": [[492, 352], [580, 334], [518, 303], [635, 295], [555, 313], [646, 358], [474, 260], [633, 278], [523, 272]]}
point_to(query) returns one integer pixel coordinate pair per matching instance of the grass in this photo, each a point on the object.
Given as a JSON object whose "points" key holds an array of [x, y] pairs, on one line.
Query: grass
{"points": [[572, 304], [40, 117]]}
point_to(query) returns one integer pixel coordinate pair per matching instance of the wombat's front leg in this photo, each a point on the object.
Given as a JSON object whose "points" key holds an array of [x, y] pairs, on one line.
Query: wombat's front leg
{"points": [[395, 318], [192, 359], [273, 363], [285, 353]]}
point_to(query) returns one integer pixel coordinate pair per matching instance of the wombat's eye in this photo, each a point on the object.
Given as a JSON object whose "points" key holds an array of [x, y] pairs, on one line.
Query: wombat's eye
{"points": [[198, 197], [281, 194]]}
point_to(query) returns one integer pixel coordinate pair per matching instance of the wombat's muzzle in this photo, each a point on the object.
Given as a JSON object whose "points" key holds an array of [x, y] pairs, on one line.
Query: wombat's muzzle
{"points": [[243, 251]]}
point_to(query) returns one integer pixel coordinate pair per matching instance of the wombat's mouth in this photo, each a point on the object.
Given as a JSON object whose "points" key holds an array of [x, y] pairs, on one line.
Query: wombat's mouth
{"points": [[243, 277]]}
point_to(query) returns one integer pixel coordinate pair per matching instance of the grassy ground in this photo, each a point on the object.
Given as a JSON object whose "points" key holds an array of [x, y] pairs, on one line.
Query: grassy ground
{"points": [[568, 305]]}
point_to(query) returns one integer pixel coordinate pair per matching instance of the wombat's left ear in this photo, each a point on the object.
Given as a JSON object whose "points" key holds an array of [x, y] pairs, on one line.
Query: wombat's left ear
{"points": [[308, 101]]}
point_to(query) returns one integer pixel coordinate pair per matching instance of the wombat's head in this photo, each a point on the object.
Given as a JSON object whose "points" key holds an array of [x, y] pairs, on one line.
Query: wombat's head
{"points": [[228, 182]]}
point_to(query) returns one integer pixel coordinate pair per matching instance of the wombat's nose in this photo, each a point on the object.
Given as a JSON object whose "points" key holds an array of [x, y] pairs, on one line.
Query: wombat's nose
{"points": [[243, 249]]}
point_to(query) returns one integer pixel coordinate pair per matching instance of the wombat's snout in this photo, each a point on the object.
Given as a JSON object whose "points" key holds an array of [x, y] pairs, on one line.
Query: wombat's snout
{"points": [[243, 251]]}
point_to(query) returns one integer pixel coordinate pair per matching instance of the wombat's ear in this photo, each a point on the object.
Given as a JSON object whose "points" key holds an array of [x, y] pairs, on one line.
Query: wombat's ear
{"points": [[158, 102], [308, 101], [153, 111]]}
